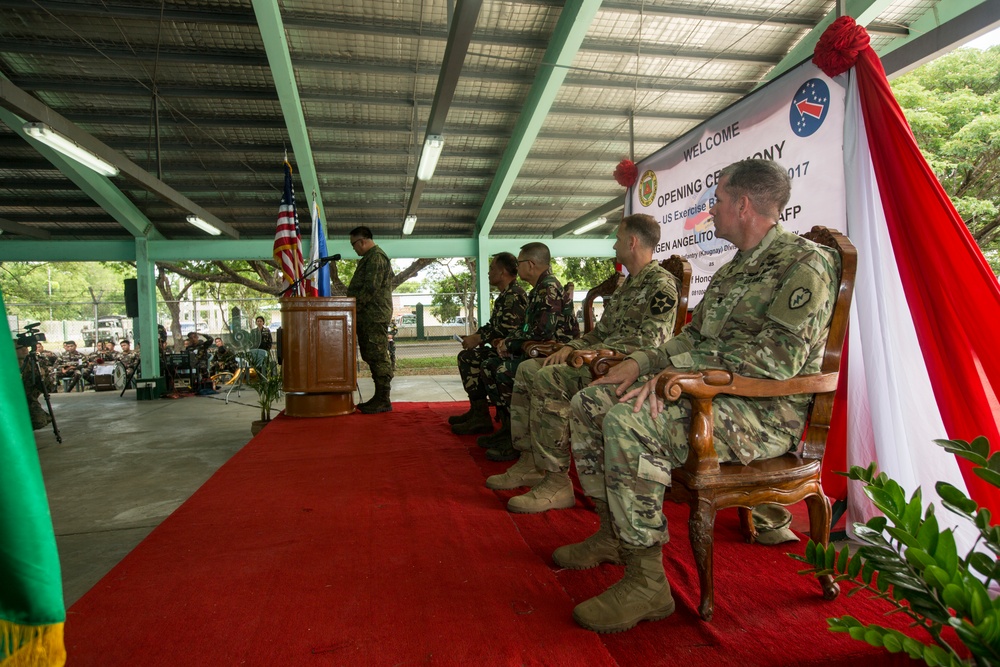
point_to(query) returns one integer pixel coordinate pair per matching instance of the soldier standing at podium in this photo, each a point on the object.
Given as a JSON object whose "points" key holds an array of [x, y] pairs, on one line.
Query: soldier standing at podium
{"points": [[371, 288]]}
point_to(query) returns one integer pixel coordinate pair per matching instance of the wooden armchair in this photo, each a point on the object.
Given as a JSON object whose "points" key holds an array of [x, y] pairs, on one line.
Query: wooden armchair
{"points": [[708, 486], [675, 264], [602, 291]]}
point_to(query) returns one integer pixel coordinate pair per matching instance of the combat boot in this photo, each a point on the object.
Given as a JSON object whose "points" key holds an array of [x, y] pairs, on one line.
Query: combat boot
{"points": [[601, 547], [458, 419], [522, 473], [643, 594], [501, 438], [479, 422], [501, 448], [555, 492], [379, 402]]}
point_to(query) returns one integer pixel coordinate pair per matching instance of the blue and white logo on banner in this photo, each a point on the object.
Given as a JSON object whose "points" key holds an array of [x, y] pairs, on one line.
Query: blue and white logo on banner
{"points": [[809, 107]]}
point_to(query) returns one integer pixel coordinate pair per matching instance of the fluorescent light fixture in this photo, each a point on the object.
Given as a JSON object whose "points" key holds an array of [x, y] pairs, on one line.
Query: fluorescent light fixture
{"points": [[409, 223], [590, 225], [69, 148], [433, 145], [202, 225]]}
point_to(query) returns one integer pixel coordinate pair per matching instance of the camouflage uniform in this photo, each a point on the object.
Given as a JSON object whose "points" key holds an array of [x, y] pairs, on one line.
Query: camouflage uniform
{"points": [[33, 389], [223, 361], [129, 359], [641, 314], [47, 364], [766, 314], [506, 318], [74, 359], [546, 317], [371, 288]]}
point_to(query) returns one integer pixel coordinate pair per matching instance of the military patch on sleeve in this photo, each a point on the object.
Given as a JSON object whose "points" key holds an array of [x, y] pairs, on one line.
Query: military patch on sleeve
{"points": [[662, 302], [799, 298]]}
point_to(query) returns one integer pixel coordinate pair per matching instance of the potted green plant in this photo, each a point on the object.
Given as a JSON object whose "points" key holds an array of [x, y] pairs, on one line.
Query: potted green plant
{"points": [[264, 378], [916, 569]]}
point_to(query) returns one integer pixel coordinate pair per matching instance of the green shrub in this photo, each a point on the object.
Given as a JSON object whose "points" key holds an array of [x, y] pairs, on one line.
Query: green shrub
{"points": [[915, 567]]}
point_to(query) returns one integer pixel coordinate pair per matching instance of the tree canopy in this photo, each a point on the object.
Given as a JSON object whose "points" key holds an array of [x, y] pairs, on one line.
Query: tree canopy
{"points": [[953, 107]]}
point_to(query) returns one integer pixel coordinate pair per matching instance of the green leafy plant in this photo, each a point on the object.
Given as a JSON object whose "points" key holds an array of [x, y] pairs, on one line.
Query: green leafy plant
{"points": [[265, 378], [915, 567]]}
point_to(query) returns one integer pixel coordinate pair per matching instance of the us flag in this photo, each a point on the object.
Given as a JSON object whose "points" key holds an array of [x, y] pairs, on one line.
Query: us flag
{"points": [[288, 240]]}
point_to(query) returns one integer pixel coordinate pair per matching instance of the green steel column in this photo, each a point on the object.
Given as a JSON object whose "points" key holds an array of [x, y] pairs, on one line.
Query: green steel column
{"points": [[145, 269], [482, 281]]}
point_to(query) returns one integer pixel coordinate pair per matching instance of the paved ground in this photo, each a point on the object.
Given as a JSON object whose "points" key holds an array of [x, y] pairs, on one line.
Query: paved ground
{"points": [[125, 465]]}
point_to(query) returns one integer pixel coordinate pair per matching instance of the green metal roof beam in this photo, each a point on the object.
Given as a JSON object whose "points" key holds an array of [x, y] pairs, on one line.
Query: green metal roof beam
{"points": [[574, 21], [462, 24], [25, 250], [938, 31], [272, 32], [97, 187], [863, 11]]}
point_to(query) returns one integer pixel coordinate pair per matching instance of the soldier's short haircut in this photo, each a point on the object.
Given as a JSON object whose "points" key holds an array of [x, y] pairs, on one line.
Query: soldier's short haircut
{"points": [[69, 342], [506, 261], [643, 227], [537, 252], [361, 232], [765, 183]]}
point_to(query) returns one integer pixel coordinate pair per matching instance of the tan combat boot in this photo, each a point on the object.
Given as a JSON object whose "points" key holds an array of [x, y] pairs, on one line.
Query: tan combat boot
{"points": [[601, 547], [555, 492], [643, 594], [522, 473]]}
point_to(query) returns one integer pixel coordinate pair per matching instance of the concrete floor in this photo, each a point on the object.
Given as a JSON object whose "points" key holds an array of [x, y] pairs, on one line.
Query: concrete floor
{"points": [[124, 465]]}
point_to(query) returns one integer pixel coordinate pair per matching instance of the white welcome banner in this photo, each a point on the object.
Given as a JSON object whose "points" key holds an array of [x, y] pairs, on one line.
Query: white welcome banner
{"points": [[797, 121]]}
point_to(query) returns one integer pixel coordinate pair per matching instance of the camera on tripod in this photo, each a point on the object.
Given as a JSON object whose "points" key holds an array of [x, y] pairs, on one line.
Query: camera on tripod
{"points": [[31, 336]]}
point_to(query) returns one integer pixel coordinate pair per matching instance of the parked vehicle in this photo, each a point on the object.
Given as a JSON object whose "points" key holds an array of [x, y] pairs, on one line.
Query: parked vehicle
{"points": [[115, 328]]}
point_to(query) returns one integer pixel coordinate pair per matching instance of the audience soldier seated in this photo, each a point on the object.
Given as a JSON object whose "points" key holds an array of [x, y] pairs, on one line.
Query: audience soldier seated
{"points": [[548, 316], [127, 357], [70, 365], [641, 314], [506, 318], [764, 314], [47, 362]]}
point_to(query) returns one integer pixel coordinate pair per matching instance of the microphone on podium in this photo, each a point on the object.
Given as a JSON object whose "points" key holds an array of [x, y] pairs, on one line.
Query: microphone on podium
{"points": [[330, 258]]}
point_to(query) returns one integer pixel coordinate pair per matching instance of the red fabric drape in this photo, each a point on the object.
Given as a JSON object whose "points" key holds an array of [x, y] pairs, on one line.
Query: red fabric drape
{"points": [[952, 294]]}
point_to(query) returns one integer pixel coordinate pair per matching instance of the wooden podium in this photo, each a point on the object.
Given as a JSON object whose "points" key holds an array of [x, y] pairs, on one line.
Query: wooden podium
{"points": [[318, 356]]}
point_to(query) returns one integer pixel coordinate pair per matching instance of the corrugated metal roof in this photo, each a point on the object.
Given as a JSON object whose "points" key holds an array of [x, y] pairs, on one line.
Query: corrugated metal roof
{"points": [[185, 87]]}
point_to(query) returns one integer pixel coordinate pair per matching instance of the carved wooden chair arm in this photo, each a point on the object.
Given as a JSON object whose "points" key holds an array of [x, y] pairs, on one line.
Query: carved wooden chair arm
{"points": [[713, 381], [600, 361], [539, 349], [702, 386]]}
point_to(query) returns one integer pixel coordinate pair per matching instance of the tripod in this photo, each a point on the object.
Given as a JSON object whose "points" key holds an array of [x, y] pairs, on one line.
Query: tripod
{"points": [[129, 376], [30, 364]]}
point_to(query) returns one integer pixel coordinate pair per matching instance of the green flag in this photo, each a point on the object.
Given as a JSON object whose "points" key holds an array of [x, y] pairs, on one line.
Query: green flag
{"points": [[32, 612]]}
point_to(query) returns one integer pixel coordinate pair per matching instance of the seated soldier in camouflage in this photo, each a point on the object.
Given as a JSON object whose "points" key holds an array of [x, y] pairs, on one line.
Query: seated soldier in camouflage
{"points": [[127, 357], [71, 364], [506, 318], [47, 362], [223, 360], [765, 314], [641, 314], [547, 317]]}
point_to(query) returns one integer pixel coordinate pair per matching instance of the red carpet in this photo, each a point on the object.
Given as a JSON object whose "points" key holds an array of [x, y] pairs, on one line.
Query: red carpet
{"points": [[370, 540]]}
